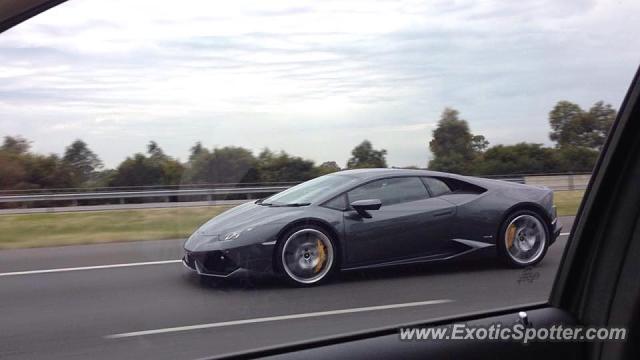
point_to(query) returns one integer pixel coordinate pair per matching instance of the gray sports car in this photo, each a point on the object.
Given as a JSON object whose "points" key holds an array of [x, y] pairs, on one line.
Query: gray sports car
{"points": [[368, 218]]}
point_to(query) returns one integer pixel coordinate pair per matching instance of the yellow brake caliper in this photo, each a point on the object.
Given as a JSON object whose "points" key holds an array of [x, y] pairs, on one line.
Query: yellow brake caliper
{"points": [[322, 256], [511, 234]]}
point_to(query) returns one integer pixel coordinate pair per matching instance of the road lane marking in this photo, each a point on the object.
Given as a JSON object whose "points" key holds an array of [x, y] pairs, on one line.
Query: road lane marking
{"points": [[276, 318], [564, 234], [46, 271]]}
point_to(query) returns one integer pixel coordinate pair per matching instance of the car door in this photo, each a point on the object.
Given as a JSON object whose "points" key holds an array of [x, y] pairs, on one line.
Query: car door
{"points": [[409, 223]]}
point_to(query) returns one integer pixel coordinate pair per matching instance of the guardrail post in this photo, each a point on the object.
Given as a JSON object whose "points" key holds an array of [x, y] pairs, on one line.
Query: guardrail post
{"points": [[571, 182]]}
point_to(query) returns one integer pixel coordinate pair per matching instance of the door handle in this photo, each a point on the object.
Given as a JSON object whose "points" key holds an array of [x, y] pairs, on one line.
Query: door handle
{"points": [[443, 213]]}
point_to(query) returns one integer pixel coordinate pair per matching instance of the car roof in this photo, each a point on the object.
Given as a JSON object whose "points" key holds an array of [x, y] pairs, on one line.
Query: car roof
{"points": [[384, 172]]}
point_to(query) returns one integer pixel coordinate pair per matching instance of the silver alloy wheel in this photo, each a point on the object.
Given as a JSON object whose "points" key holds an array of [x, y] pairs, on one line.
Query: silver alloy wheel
{"points": [[307, 256], [525, 239]]}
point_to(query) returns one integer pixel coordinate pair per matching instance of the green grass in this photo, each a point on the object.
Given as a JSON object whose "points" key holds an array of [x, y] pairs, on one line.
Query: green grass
{"points": [[37, 230], [567, 202]]}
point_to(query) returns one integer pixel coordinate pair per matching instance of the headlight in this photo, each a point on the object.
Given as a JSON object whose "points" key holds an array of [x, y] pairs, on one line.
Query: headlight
{"points": [[231, 236]]}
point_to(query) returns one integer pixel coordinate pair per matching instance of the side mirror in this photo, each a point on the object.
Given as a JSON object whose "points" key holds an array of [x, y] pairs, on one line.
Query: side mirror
{"points": [[363, 206]]}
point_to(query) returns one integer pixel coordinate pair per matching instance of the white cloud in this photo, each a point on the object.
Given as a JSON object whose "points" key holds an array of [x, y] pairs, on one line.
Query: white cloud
{"points": [[311, 77]]}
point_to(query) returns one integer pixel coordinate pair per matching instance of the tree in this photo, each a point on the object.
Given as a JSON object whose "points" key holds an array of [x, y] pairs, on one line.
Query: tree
{"points": [[228, 164], [154, 169], [12, 171], [276, 167], [15, 145], [155, 151], [137, 170], [82, 161], [173, 171], [576, 158], [101, 178], [327, 167], [47, 172], [452, 136], [521, 158], [365, 156], [479, 144], [453, 146], [572, 126], [603, 115], [196, 150], [21, 169], [560, 118]]}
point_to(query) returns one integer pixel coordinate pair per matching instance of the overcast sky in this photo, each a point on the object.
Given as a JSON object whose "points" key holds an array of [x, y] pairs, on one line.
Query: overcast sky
{"points": [[313, 78]]}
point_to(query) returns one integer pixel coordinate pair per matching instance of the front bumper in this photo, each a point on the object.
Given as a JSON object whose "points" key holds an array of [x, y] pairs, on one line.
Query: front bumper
{"points": [[224, 263], [212, 263]]}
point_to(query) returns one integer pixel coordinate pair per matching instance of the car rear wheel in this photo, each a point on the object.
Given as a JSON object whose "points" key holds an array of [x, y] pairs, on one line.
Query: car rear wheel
{"points": [[524, 239], [306, 255]]}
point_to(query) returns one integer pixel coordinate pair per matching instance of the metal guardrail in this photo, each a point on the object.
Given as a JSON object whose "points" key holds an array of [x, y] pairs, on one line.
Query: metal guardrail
{"points": [[554, 182], [196, 186], [560, 182], [166, 194]]}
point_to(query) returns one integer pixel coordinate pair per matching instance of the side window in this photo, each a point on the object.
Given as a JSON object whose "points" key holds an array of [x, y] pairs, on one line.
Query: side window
{"points": [[391, 191], [337, 203], [437, 186]]}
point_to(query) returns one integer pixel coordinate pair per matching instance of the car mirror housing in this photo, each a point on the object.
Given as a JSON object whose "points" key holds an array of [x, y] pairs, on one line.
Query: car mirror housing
{"points": [[363, 206]]}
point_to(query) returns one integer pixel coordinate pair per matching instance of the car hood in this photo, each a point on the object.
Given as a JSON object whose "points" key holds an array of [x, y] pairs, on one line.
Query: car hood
{"points": [[248, 220], [241, 217]]}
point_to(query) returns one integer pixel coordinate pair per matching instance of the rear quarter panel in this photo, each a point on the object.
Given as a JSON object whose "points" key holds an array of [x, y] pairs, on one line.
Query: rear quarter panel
{"points": [[479, 216]]}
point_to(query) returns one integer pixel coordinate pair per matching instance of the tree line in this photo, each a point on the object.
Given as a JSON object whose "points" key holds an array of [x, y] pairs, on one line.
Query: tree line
{"points": [[578, 136], [22, 169]]}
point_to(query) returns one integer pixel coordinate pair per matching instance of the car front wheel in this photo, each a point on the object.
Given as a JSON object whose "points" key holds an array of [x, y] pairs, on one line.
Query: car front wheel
{"points": [[305, 255]]}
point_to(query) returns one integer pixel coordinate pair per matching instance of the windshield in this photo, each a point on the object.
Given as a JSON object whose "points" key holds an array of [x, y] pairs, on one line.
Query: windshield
{"points": [[310, 191]]}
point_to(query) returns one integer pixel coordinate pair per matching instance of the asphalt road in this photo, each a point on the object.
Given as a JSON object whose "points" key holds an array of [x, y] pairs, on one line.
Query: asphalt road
{"points": [[99, 312]]}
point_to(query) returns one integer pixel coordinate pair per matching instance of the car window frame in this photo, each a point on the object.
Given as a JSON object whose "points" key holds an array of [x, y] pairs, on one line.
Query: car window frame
{"points": [[388, 178], [346, 192], [346, 201], [422, 178]]}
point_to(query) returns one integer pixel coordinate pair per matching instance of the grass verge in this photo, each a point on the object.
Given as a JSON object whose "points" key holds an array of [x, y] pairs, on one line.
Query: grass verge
{"points": [[567, 202], [38, 230]]}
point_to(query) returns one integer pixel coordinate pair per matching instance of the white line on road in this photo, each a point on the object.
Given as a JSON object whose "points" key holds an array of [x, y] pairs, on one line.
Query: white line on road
{"points": [[31, 272], [276, 318], [564, 234]]}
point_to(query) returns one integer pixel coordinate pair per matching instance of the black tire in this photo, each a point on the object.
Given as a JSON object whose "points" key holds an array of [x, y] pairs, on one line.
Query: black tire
{"points": [[293, 276], [506, 254]]}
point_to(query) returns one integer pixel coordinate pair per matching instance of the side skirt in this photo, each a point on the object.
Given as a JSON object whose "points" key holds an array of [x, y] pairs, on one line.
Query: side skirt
{"points": [[469, 247]]}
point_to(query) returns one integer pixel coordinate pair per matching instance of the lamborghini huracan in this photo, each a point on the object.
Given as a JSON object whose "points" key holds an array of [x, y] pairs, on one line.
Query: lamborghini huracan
{"points": [[367, 218]]}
